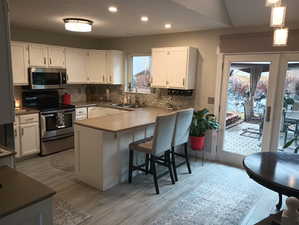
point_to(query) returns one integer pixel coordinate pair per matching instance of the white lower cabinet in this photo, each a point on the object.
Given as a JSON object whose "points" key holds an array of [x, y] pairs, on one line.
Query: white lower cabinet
{"points": [[81, 113], [27, 139]]}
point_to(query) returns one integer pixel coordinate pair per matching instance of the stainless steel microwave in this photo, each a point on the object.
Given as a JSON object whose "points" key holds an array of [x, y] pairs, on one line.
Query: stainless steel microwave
{"points": [[47, 78]]}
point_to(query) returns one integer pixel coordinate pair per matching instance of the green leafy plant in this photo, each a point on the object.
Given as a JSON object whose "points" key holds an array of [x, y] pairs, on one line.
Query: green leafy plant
{"points": [[203, 121], [289, 143]]}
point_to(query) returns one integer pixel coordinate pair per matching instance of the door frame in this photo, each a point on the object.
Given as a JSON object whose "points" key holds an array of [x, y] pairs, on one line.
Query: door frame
{"points": [[284, 59], [274, 58]]}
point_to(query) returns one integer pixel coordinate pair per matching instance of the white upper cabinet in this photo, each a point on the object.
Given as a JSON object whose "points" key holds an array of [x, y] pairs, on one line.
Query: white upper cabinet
{"points": [[96, 66], [19, 59], [76, 65], [46, 56], [159, 68], [174, 67], [114, 67], [56, 56], [38, 55]]}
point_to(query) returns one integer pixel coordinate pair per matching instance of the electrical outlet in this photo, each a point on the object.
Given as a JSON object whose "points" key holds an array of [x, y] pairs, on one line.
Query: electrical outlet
{"points": [[211, 100]]}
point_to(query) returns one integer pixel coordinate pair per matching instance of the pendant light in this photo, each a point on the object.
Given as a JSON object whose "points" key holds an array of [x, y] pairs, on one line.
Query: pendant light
{"points": [[278, 16], [272, 3], [280, 37]]}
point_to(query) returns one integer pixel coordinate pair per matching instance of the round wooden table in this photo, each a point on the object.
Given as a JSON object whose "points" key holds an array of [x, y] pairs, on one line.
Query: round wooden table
{"points": [[277, 171]]}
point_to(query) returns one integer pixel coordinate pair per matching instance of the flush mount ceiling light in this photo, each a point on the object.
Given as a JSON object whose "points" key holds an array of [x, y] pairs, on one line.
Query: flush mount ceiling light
{"points": [[78, 25], [112, 9], [278, 16], [167, 25], [144, 18], [272, 3], [280, 37]]}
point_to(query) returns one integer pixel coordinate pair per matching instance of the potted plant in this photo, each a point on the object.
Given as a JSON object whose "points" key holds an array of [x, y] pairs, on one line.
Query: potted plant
{"points": [[202, 121]]}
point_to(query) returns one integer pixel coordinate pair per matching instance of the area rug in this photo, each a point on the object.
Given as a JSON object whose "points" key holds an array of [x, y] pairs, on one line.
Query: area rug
{"points": [[213, 203], [65, 214]]}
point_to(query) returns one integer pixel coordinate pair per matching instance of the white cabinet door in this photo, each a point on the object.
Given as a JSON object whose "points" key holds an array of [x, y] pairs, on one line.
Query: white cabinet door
{"points": [[29, 138], [114, 67], [17, 140], [81, 113], [177, 75], [96, 66], [56, 56], [76, 63], [159, 68], [19, 59], [38, 55]]}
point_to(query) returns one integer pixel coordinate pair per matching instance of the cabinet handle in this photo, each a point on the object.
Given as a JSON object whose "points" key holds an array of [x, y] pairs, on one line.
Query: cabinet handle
{"points": [[183, 81], [110, 78], [50, 61], [45, 60], [16, 134], [103, 79], [22, 131]]}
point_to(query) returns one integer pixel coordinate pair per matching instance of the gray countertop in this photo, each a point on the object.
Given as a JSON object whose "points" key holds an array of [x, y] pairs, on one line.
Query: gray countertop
{"points": [[5, 153], [19, 191]]}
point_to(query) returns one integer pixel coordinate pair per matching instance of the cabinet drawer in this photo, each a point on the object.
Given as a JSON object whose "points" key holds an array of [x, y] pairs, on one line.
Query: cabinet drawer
{"points": [[30, 118], [80, 111]]}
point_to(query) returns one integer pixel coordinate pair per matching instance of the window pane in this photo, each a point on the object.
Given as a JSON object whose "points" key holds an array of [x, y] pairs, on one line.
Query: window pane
{"points": [[141, 73]]}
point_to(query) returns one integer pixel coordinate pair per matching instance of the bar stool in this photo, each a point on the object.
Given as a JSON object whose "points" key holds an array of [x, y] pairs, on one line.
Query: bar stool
{"points": [[154, 148], [180, 137]]}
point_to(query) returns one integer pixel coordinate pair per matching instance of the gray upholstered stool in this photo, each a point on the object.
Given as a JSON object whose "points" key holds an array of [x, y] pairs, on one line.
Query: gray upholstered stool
{"points": [[181, 136], [154, 148]]}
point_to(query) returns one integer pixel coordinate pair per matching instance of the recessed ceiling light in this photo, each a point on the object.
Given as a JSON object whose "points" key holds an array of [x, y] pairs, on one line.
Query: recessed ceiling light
{"points": [[272, 3], [144, 18], [77, 25], [280, 37], [113, 9], [168, 25]]}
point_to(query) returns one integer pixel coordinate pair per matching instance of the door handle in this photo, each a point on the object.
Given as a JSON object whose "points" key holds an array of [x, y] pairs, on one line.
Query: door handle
{"points": [[45, 60], [268, 114], [22, 131]]}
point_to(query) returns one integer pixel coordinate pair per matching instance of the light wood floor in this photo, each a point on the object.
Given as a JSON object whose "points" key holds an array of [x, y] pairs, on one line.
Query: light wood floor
{"points": [[125, 204]]}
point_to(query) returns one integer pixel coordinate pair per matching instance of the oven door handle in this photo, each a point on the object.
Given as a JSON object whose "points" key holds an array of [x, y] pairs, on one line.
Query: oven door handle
{"points": [[43, 126]]}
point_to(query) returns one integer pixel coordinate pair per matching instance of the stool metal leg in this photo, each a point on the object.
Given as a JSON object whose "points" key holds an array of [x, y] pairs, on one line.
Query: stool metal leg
{"points": [[187, 157], [168, 163], [153, 168], [131, 158], [146, 163], [173, 164]]}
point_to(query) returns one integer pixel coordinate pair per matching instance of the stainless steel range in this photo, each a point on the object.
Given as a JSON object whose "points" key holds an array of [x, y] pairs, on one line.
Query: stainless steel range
{"points": [[56, 120]]}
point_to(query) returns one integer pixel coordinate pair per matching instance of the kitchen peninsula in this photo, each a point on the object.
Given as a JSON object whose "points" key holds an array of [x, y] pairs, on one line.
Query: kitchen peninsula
{"points": [[102, 145]]}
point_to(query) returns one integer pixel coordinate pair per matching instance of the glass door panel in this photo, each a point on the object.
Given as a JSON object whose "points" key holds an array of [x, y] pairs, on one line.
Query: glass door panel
{"points": [[289, 117], [245, 107]]}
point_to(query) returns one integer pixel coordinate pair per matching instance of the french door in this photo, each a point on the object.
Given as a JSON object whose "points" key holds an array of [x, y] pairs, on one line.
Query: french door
{"points": [[248, 105]]}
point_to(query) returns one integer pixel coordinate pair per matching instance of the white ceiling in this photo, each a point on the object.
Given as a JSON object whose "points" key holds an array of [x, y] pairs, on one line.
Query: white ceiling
{"points": [[185, 15]]}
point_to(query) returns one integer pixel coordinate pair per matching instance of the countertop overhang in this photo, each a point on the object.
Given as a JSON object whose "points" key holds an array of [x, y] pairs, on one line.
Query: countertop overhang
{"points": [[124, 120], [19, 191]]}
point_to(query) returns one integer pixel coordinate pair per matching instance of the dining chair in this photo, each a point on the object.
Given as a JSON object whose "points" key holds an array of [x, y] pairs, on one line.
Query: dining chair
{"points": [[154, 148], [181, 137]]}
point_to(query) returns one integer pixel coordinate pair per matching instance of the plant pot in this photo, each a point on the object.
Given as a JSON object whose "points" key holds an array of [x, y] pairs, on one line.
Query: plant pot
{"points": [[197, 143]]}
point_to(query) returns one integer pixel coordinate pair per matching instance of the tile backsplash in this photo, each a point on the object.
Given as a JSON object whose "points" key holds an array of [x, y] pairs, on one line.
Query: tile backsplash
{"points": [[95, 93], [158, 97]]}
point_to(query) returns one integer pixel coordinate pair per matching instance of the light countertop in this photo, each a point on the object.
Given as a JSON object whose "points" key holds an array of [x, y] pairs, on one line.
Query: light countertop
{"points": [[124, 120], [25, 111]]}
